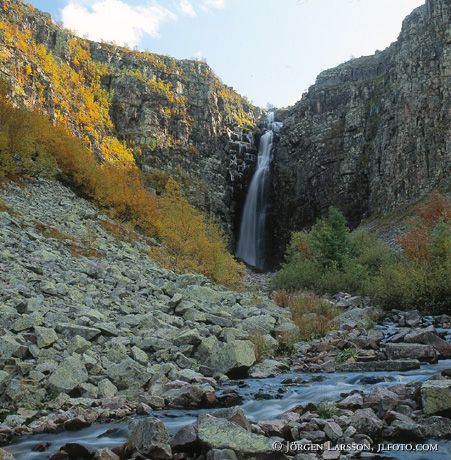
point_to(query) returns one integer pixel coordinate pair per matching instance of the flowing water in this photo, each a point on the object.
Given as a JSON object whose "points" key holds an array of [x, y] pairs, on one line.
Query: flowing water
{"points": [[251, 242], [278, 396]]}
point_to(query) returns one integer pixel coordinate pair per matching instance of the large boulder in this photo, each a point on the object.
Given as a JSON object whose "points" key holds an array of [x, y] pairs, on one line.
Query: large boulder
{"points": [[149, 436], [267, 368], [218, 433], [411, 351], [429, 337], [436, 396], [232, 358], [374, 366], [366, 421], [69, 374]]}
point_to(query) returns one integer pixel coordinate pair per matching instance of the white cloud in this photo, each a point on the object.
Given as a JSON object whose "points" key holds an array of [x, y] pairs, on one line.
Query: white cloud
{"points": [[207, 4], [187, 8], [115, 20]]}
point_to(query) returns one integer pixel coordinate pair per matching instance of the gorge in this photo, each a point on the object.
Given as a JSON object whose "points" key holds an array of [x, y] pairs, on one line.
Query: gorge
{"points": [[128, 330], [252, 235]]}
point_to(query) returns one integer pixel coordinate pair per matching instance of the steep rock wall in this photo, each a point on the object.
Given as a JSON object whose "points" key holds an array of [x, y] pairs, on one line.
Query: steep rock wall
{"points": [[372, 134], [172, 117]]}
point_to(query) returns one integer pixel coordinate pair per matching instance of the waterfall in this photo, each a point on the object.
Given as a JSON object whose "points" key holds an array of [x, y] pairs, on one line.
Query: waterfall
{"points": [[251, 242]]}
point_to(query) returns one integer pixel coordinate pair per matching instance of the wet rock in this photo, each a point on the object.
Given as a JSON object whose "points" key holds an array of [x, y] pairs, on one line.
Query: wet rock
{"points": [[234, 415], [106, 454], [149, 436], [221, 454], [76, 423], [71, 330], [185, 439], [73, 450], [221, 434], [435, 426], [366, 421], [374, 366], [5, 455], [333, 430], [267, 368], [411, 351], [436, 396]]}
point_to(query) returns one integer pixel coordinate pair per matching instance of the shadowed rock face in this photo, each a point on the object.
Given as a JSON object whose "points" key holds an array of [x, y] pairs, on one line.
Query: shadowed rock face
{"points": [[372, 134]]}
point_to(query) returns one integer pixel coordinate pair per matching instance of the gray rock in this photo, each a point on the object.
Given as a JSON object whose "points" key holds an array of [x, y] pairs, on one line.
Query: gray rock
{"points": [[267, 368], [221, 454], [231, 357], [106, 389], [149, 436], [373, 366], [221, 434], [365, 421], [71, 330], [436, 396], [333, 430], [46, 336], [411, 351], [69, 374]]}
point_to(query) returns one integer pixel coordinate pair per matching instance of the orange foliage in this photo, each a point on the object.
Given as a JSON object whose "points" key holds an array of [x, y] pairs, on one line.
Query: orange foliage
{"points": [[416, 243]]}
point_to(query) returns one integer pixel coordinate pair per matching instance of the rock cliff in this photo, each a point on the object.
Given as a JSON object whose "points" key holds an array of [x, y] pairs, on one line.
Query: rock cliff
{"points": [[172, 117], [370, 135]]}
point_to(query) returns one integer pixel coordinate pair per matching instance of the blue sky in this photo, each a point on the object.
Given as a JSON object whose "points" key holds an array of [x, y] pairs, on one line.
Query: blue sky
{"points": [[268, 50]]}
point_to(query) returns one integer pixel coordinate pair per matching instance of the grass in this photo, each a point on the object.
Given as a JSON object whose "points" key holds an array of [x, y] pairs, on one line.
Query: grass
{"points": [[345, 354], [313, 315], [326, 409], [261, 347]]}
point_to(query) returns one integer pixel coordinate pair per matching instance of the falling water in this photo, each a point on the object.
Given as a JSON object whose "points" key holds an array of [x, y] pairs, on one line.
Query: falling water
{"points": [[251, 242]]}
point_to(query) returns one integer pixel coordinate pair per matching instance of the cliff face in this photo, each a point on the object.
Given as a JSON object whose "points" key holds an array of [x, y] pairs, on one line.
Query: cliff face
{"points": [[172, 117], [372, 134]]}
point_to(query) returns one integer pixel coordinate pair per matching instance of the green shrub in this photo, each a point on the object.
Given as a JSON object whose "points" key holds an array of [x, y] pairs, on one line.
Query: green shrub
{"points": [[326, 409], [329, 258]]}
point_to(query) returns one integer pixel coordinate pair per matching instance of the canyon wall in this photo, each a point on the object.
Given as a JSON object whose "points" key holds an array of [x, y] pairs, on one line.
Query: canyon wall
{"points": [[173, 117], [372, 134]]}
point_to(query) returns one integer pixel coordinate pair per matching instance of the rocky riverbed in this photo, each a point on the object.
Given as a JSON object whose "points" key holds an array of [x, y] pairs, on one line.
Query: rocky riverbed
{"points": [[93, 331]]}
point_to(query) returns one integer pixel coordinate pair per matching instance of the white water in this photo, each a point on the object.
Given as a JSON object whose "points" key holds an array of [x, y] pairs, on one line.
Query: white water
{"points": [[251, 242]]}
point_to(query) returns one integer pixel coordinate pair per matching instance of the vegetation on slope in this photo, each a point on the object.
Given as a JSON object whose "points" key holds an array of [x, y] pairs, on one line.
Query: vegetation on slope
{"points": [[30, 145], [329, 258]]}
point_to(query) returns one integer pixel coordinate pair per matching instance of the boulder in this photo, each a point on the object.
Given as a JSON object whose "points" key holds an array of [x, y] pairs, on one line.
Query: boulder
{"points": [[69, 330], [221, 454], [45, 336], [182, 394], [436, 396], [333, 430], [232, 358], [10, 347], [366, 421], [219, 433], [374, 366], [411, 351], [353, 401], [70, 373], [149, 436], [262, 324], [429, 337], [186, 438], [267, 368], [106, 454]]}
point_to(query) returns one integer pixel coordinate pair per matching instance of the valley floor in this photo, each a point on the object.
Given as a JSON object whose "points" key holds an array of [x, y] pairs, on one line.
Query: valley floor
{"points": [[92, 330]]}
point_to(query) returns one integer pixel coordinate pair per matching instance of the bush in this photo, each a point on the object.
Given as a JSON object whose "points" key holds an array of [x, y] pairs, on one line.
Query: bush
{"points": [[31, 146], [313, 316], [329, 258]]}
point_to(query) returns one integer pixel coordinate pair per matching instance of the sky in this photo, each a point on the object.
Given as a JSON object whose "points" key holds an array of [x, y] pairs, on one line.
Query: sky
{"points": [[269, 50]]}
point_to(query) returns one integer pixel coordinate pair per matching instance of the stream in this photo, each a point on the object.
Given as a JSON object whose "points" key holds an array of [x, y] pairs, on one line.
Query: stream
{"points": [[264, 399]]}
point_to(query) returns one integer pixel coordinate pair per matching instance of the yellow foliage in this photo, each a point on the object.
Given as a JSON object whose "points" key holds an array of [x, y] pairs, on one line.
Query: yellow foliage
{"points": [[192, 242], [31, 145]]}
